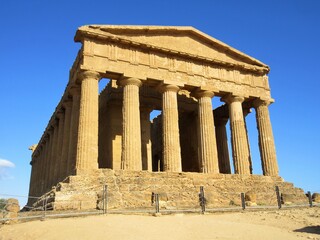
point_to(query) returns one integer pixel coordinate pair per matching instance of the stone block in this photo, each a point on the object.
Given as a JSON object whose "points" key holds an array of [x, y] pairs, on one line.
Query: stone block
{"points": [[12, 205], [249, 203], [316, 197], [12, 216], [251, 197], [287, 198], [163, 196]]}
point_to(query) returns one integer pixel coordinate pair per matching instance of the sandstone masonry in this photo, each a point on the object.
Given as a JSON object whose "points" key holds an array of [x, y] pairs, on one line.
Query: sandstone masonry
{"points": [[105, 137]]}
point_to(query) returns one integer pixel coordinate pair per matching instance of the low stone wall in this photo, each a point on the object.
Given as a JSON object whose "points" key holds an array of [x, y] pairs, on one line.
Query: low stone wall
{"points": [[133, 190]]}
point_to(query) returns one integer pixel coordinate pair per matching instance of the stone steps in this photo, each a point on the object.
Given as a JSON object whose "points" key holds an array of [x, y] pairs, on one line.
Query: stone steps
{"points": [[177, 190]]}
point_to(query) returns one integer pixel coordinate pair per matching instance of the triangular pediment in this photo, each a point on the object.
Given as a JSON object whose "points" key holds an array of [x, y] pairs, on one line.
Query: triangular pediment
{"points": [[185, 40]]}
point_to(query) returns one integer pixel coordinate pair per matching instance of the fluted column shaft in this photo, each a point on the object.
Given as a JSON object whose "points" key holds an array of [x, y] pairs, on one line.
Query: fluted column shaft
{"points": [[131, 134], [245, 113], [208, 144], [222, 145], [66, 138], [48, 160], [40, 172], [53, 154], [33, 181], [57, 172], [44, 165], [266, 140], [73, 133], [239, 141], [170, 129], [146, 152], [87, 146], [35, 176]]}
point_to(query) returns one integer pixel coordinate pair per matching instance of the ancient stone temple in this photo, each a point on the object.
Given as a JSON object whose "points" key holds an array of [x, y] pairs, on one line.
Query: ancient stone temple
{"points": [[107, 138]]}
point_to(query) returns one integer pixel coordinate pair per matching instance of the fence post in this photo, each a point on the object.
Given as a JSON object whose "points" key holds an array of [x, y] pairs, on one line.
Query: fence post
{"points": [[105, 198], [278, 197], [45, 207], [102, 198], [156, 199], [243, 201], [202, 200], [44, 214], [310, 199]]}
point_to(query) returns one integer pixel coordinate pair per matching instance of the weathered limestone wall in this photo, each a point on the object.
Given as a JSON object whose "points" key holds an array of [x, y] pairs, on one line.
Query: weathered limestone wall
{"points": [[177, 190]]}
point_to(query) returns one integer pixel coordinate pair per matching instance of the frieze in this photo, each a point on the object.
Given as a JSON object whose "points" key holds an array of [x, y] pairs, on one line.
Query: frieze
{"points": [[157, 60]]}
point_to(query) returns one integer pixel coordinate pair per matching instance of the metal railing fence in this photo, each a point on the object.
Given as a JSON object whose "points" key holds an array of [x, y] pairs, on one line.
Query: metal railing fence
{"points": [[44, 207]]}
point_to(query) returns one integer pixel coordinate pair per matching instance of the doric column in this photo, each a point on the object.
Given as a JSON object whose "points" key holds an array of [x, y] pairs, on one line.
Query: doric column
{"points": [[48, 159], [53, 153], [266, 141], [66, 138], [131, 134], [74, 127], [43, 165], [208, 146], [246, 111], [58, 162], [170, 129], [146, 153], [33, 180], [87, 146], [238, 135], [36, 181], [40, 172], [222, 145], [33, 177]]}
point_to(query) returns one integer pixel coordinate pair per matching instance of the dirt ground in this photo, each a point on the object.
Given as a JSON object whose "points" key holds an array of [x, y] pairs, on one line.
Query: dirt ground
{"points": [[281, 224]]}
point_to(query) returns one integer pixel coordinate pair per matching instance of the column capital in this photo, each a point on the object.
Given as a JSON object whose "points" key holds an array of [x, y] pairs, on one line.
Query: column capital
{"points": [[75, 90], [60, 114], [54, 123], [259, 102], [168, 87], [129, 81], [232, 98], [88, 74], [45, 137], [246, 111], [67, 104], [202, 93], [50, 131], [220, 121]]}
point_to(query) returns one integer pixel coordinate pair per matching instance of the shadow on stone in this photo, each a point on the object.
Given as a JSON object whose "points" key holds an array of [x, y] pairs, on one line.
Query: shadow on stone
{"points": [[310, 229]]}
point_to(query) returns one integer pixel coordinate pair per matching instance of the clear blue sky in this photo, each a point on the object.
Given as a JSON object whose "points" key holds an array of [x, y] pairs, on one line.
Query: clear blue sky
{"points": [[37, 51]]}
